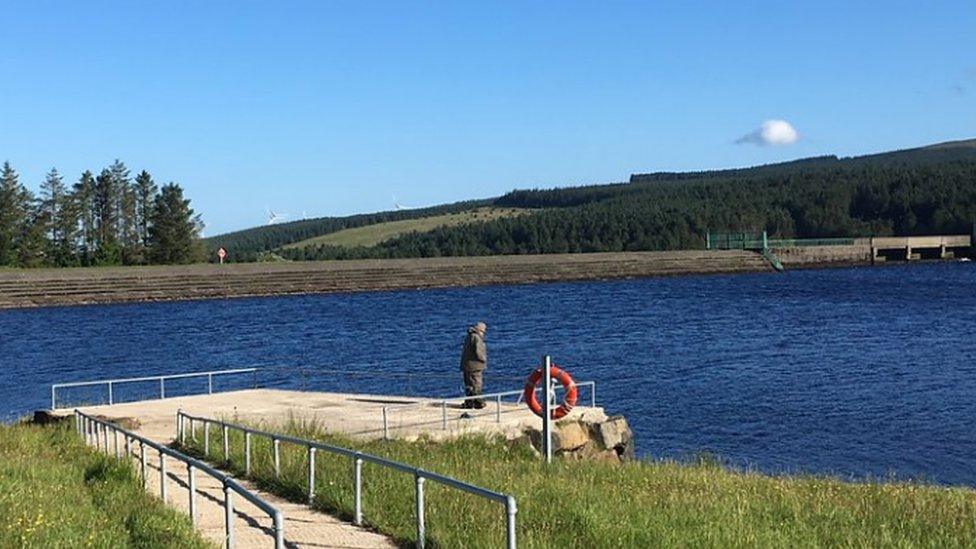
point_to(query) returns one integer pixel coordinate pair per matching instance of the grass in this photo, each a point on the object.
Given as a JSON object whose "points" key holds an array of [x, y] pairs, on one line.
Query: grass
{"points": [[56, 492], [593, 504], [371, 235]]}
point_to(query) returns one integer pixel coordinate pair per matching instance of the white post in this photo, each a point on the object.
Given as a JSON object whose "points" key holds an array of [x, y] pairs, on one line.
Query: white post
{"points": [[162, 476], [358, 491], [192, 485], [276, 446], [547, 410], [311, 474]]}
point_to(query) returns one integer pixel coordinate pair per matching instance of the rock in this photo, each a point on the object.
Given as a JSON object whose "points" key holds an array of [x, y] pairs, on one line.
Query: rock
{"points": [[587, 437], [611, 433], [46, 417], [569, 436]]}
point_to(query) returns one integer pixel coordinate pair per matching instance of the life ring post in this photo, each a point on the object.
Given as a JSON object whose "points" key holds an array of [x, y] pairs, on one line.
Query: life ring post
{"points": [[547, 408]]}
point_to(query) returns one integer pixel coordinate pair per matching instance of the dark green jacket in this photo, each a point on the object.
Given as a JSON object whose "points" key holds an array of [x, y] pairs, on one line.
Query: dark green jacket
{"points": [[474, 356]]}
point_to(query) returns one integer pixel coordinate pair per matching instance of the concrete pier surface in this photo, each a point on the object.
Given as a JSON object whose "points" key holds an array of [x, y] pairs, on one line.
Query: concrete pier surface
{"points": [[359, 416]]}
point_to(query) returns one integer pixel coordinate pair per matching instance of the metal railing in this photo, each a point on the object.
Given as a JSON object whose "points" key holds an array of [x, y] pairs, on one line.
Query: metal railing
{"points": [[96, 433], [110, 383], [443, 402], [357, 459]]}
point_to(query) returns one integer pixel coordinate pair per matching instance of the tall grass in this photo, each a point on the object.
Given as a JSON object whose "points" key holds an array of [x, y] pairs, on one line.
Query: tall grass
{"points": [[56, 492], [594, 504]]}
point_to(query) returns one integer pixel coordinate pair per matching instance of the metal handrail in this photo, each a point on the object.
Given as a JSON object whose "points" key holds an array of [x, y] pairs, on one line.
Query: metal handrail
{"points": [[96, 432], [358, 458], [162, 382], [498, 404]]}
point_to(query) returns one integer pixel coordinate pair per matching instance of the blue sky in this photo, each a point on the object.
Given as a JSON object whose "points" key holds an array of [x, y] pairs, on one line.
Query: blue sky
{"points": [[333, 108]]}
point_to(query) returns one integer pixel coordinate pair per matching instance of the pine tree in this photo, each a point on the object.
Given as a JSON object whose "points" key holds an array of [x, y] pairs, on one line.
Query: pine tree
{"points": [[132, 252], [32, 242], [83, 201], [174, 229], [106, 207], [13, 214], [145, 195], [60, 220], [125, 212]]}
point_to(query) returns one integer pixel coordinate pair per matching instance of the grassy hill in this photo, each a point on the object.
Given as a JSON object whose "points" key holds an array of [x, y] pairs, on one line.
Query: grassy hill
{"points": [[371, 235], [927, 190]]}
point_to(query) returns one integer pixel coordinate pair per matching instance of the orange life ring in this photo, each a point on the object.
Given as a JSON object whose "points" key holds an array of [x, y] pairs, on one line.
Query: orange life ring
{"points": [[568, 401]]}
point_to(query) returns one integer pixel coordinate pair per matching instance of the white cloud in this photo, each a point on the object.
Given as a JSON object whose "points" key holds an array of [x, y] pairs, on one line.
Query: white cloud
{"points": [[772, 132]]}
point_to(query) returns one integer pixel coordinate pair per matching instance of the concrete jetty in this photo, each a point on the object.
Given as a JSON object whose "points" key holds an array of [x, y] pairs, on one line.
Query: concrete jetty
{"points": [[356, 415]]}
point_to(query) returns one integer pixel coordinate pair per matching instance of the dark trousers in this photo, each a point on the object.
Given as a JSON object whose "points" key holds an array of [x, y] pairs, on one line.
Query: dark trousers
{"points": [[472, 387]]}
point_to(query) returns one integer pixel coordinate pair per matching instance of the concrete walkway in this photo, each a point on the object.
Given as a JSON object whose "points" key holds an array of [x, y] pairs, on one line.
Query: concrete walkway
{"points": [[303, 526], [356, 415]]}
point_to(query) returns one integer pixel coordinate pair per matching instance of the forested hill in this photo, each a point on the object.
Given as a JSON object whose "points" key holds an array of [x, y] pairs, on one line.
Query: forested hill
{"points": [[246, 245], [927, 190]]}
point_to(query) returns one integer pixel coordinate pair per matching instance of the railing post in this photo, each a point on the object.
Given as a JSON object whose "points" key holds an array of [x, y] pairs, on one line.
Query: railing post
{"points": [[128, 446], [311, 474], [105, 436], [498, 408], [547, 410], [180, 429], [386, 426], [142, 464], [593, 395], [162, 476], [210, 383], [228, 516], [419, 482], [206, 438], [444, 415], [192, 486], [279, 527], [226, 444], [162, 388], [510, 510], [115, 435], [247, 453], [276, 450], [357, 476], [53, 402], [110, 393]]}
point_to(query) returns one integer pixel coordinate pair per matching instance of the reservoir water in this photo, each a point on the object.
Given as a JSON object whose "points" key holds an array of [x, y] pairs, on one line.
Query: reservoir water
{"points": [[867, 372]]}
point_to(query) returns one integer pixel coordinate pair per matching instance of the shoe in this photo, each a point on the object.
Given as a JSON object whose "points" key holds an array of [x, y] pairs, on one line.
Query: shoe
{"points": [[479, 405], [465, 415]]}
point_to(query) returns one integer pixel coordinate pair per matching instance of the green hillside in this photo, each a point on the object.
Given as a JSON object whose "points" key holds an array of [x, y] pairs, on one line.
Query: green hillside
{"points": [[928, 190], [371, 235]]}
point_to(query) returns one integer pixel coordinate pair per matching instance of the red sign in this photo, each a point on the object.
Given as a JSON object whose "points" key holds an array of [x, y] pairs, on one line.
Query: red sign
{"points": [[221, 253]]}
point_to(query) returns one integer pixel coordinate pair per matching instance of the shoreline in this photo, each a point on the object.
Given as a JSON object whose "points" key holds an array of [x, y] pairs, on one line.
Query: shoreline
{"points": [[88, 286]]}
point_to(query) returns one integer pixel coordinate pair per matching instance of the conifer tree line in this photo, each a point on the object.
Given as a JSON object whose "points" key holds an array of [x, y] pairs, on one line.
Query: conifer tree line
{"points": [[107, 219]]}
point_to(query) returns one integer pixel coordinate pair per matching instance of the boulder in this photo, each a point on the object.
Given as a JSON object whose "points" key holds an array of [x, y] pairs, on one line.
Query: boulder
{"points": [[592, 437], [611, 433], [569, 436]]}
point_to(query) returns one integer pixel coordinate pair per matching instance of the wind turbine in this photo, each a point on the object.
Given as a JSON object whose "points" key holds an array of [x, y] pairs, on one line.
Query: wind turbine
{"points": [[398, 207], [274, 217]]}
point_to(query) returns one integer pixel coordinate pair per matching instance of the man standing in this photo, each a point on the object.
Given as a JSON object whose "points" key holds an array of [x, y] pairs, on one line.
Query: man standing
{"points": [[474, 358]]}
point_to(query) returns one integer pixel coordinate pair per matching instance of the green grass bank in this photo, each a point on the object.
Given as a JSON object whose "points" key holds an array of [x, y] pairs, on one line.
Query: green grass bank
{"points": [[56, 492], [595, 504]]}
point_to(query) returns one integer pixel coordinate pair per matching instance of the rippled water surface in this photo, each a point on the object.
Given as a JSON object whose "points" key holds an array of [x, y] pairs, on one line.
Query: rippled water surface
{"points": [[855, 372]]}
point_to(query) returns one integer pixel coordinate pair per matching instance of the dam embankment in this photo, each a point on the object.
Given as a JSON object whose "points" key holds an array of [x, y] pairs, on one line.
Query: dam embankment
{"points": [[80, 286]]}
